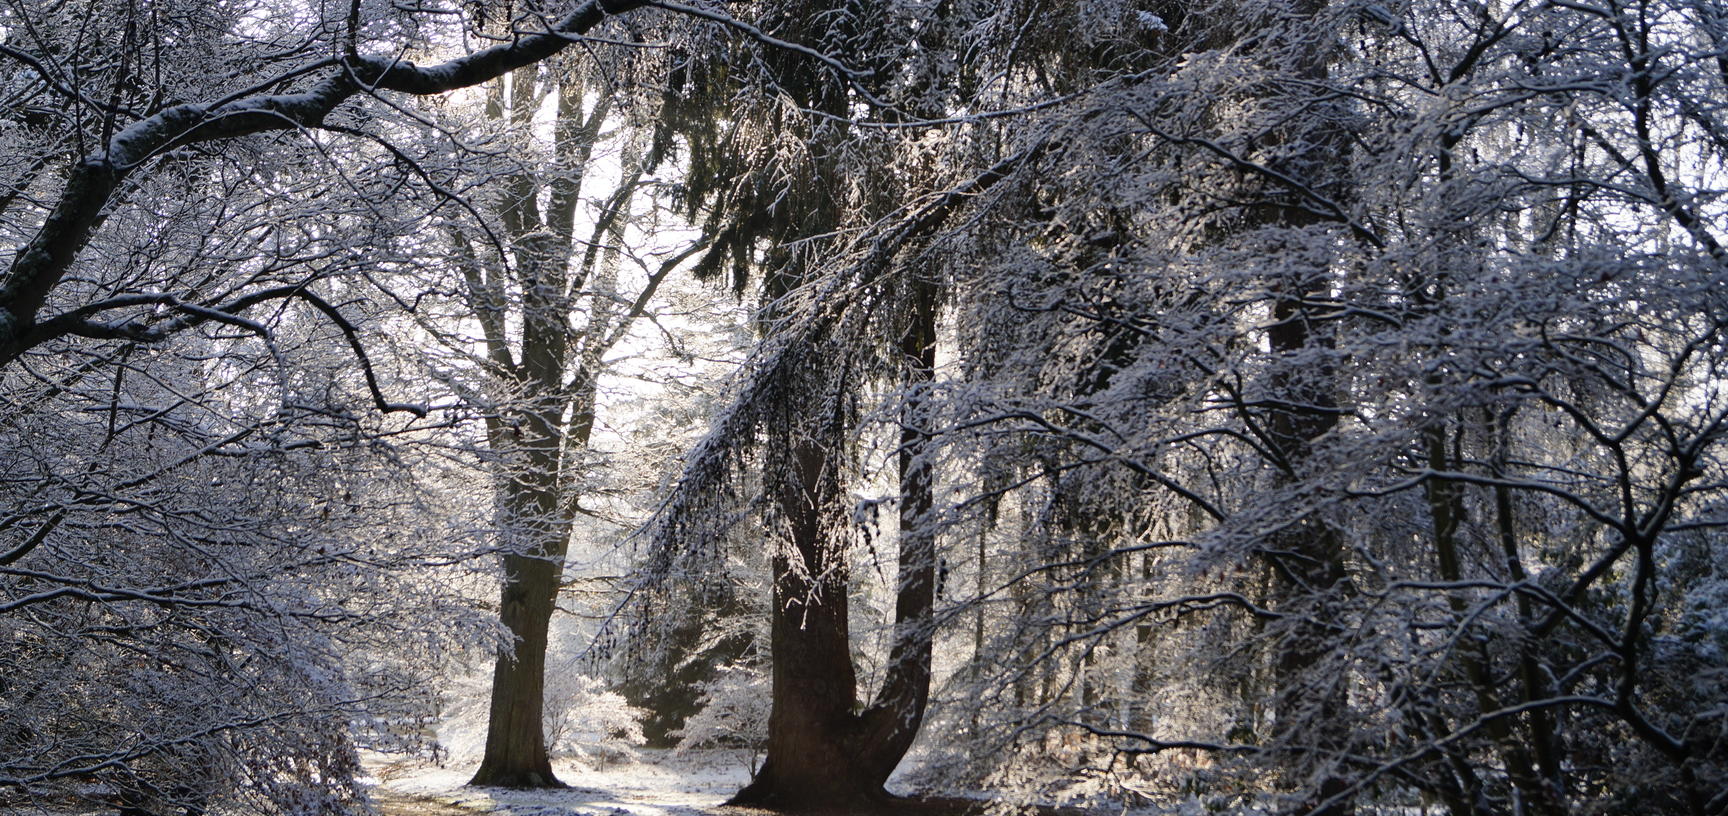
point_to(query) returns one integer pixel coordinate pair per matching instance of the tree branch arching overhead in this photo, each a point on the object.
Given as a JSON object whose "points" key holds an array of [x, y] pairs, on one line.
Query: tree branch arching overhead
{"points": [[92, 182]]}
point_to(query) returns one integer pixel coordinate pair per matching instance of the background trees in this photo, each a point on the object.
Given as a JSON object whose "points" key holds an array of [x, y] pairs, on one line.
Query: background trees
{"points": [[211, 583], [206, 483], [551, 307], [1458, 258]]}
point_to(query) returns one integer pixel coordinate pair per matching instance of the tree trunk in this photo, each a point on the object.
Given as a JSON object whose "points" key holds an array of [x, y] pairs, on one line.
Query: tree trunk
{"points": [[516, 754], [811, 730], [821, 755], [554, 369], [1542, 787], [536, 510], [1309, 557], [1311, 706], [892, 723]]}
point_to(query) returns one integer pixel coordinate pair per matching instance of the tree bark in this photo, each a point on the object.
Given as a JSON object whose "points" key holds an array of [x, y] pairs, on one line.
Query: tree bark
{"points": [[821, 755], [1308, 556], [516, 755], [811, 728], [892, 723]]}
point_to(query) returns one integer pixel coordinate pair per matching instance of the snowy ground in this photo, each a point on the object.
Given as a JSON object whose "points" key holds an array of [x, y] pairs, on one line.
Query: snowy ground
{"points": [[655, 783]]}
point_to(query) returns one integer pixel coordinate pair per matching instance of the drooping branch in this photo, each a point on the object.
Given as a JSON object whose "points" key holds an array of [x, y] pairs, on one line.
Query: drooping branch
{"points": [[830, 300]]}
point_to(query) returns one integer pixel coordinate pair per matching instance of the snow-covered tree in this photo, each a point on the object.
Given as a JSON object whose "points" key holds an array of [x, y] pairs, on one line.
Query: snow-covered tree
{"points": [[1336, 394]]}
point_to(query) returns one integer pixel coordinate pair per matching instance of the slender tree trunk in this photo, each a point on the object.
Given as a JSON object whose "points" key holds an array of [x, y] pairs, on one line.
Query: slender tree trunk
{"points": [[1542, 785], [1445, 504], [1309, 558], [892, 723], [1444, 512], [981, 589]]}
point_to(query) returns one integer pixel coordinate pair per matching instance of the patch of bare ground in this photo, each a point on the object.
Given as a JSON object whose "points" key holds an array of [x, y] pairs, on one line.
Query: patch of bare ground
{"points": [[392, 803]]}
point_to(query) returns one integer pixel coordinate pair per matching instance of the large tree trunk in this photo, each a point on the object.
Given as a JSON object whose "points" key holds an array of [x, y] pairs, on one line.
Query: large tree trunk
{"points": [[516, 754], [540, 515], [811, 729], [1311, 709], [1309, 558], [821, 755]]}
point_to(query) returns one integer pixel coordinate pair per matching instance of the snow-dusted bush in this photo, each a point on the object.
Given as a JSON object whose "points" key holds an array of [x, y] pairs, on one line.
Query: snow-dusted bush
{"points": [[587, 721], [221, 643], [584, 719], [734, 713], [462, 717]]}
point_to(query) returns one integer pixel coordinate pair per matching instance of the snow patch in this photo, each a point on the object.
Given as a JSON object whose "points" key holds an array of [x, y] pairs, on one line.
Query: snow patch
{"points": [[660, 783]]}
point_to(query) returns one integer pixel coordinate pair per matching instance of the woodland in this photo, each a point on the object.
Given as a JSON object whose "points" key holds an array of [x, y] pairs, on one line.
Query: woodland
{"points": [[1122, 406]]}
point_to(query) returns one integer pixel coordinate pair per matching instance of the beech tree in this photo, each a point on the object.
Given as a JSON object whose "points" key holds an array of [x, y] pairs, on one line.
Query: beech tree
{"points": [[559, 278]]}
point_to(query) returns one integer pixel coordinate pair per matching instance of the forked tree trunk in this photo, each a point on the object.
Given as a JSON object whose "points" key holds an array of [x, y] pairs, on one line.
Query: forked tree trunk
{"points": [[536, 510], [552, 365], [821, 755]]}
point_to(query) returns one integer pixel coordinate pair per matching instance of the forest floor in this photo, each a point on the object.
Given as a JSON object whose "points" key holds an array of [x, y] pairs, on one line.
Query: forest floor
{"points": [[649, 783]]}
